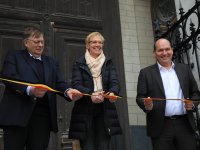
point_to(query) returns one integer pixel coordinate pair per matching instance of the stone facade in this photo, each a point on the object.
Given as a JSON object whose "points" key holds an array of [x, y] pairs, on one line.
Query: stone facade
{"points": [[137, 41]]}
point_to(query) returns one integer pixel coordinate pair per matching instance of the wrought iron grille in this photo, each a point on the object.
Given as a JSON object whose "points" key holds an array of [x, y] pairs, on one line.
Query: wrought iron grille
{"points": [[184, 36]]}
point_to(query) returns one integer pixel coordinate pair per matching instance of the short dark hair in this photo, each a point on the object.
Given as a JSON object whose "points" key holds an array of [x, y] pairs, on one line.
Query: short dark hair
{"points": [[32, 31], [154, 46]]}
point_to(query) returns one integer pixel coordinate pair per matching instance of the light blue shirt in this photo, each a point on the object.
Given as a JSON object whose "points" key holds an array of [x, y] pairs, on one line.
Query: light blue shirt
{"points": [[172, 90]]}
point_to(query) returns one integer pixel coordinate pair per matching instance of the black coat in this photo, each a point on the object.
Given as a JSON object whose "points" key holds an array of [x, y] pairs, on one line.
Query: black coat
{"points": [[150, 85], [16, 106], [82, 112]]}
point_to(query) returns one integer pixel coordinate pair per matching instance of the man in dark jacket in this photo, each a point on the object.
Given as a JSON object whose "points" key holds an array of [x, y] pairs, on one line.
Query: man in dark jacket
{"points": [[28, 113], [94, 118], [162, 92]]}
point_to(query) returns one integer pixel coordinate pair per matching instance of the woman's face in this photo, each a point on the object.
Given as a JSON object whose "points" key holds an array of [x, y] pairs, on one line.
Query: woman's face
{"points": [[95, 46]]}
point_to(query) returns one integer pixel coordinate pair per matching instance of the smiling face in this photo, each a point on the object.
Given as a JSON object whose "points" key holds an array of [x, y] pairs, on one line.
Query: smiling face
{"points": [[94, 44], [35, 45], [163, 52]]}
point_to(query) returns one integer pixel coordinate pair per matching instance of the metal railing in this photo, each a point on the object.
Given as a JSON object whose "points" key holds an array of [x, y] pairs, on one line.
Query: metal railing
{"points": [[184, 36]]}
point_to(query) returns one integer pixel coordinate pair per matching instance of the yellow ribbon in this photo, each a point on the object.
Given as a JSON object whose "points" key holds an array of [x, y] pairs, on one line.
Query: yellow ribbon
{"points": [[51, 89], [105, 96], [160, 99], [31, 84]]}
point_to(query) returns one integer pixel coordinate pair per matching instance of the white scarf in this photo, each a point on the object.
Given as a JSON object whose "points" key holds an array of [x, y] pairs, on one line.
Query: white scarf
{"points": [[95, 66]]}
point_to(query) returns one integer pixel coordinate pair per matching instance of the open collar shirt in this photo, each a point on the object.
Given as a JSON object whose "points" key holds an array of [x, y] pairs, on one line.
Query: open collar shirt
{"points": [[172, 90]]}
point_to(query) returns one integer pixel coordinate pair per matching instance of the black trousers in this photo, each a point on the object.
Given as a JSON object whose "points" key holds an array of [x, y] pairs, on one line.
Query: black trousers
{"points": [[177, 134], [33, 137], [98, 138]]}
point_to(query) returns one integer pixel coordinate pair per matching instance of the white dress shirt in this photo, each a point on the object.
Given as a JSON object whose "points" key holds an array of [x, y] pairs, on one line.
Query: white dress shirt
{"points": [[172, 90]]}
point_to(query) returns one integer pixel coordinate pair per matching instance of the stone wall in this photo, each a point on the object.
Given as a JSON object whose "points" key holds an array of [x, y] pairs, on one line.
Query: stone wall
{"points": [[137, 42]]}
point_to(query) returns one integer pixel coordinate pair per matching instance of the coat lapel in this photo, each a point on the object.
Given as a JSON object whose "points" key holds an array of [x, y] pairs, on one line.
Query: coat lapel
{"points": [[179, 73], [29, 61], [158, 78], [46, 66]]}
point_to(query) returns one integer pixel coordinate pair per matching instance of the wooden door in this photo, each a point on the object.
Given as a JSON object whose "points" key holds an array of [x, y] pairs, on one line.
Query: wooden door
{"points": [[66, 24]]}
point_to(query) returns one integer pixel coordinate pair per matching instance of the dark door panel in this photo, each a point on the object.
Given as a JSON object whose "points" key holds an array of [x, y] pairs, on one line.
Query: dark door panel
{"points": [[11, 32], [65, 24], [69, 45]]}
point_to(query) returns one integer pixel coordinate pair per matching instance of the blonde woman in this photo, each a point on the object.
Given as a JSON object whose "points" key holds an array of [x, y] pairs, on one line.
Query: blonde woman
{"points": [[94, 118]]}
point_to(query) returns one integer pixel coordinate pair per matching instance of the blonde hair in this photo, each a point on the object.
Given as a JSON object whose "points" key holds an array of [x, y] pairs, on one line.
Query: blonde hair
{"points": [[87, 40]]}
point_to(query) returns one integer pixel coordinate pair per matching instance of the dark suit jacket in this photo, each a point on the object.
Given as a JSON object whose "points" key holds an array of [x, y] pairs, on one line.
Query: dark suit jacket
{"points": [[16, 107], [150, 85]]}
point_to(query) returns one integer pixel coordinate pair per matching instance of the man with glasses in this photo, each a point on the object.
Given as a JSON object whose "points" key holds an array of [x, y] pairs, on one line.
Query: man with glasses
{"points": [[28, 114]]}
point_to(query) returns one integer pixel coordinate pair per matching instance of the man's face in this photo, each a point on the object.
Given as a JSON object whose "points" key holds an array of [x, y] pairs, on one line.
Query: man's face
{"points": [[35, 45], [163, 52], [95, 46]]}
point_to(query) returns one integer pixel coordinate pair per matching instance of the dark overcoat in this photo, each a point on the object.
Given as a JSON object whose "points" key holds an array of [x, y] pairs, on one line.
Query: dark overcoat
{"points": [[16, 106], [83, 109]]}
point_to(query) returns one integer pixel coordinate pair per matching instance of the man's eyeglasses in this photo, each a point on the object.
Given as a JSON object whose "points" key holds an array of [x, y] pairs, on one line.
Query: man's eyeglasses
{"points": [[96, 42], [36, 42]]}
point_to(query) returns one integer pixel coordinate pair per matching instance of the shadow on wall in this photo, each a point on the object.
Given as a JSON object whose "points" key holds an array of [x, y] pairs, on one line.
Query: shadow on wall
{"points": [[139, 139]]}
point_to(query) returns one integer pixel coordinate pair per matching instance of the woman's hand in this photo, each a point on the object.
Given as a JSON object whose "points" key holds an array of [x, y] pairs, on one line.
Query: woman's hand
{"points": [[97, 97]]}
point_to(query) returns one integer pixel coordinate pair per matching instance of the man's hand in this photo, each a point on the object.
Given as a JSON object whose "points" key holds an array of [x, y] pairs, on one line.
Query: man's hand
{"points": [[74, 94], [189, 105], [148, 103], [37, 92]]}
